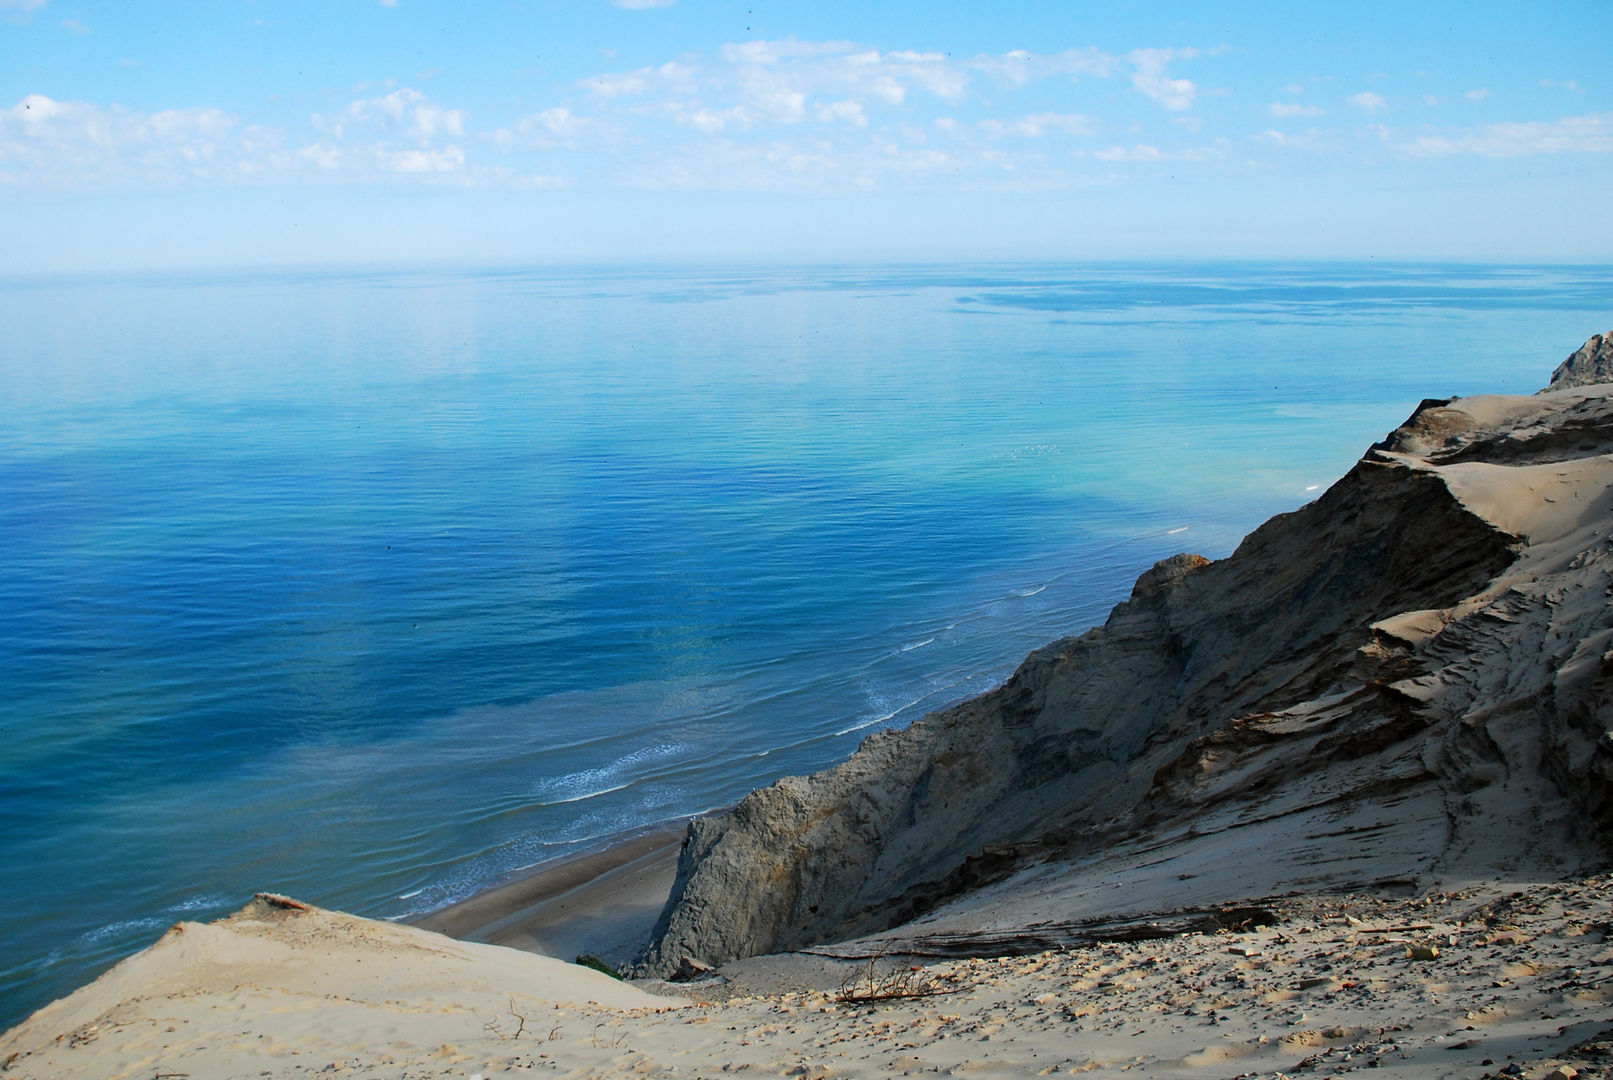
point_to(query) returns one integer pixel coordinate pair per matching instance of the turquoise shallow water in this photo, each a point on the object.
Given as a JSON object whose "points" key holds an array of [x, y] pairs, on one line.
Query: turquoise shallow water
{"points": [[372, 588]]}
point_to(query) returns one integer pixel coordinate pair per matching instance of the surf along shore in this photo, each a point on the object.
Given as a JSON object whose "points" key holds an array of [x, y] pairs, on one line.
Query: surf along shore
{"points": [[1352, 811]]}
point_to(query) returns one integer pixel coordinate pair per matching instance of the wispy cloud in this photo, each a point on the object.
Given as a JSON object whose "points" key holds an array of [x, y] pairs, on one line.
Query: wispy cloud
{"points": [[1019, 67], [1150, 76], [1369, 101], [1591, 134], [771, 114], [1315, 140], [759, 84], [21, 5], [1476, 95], [82, 144], [641, 5], [398, 132], [70, 142]]}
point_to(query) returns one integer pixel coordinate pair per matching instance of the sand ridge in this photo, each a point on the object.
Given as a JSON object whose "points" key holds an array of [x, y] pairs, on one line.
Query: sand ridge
{"points": [[1454, 984]]}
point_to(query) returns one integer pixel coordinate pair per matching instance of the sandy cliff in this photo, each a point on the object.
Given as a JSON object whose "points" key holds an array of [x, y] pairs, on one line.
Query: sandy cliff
{"points": [[1406, 680]]}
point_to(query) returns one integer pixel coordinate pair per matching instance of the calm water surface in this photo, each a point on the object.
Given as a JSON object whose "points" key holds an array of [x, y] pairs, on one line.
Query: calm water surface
{"points": [[371, 589]]}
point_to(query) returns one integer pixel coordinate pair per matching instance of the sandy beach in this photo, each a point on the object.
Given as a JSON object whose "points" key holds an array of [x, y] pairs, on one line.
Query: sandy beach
{"points": [[601, 902]]}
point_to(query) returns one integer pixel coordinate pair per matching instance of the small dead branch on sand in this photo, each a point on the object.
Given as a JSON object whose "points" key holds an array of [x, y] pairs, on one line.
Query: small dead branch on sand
{"points": [[895, 982], [614, 1038], [498, 1029]]}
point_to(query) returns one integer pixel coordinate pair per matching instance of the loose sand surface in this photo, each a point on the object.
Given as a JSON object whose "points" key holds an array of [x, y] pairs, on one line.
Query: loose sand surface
{"points": [[1455, 984]]}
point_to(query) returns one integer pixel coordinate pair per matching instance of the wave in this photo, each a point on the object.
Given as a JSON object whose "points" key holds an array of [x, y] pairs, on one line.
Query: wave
{"points": [[121, 929], [200, 903], [592, 783], [917, 645], [894, 713], [1029, 592]]}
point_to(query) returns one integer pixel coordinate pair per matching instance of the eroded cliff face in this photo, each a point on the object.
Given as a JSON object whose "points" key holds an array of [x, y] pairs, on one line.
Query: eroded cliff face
{"points": [[1428, 641]]}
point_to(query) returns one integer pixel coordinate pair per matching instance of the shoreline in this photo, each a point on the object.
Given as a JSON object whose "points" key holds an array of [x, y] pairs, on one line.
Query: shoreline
{"points": [[603, 900]]}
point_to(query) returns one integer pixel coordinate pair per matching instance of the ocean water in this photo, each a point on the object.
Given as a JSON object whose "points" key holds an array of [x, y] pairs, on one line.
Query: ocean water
{"points": [[372, 588]]}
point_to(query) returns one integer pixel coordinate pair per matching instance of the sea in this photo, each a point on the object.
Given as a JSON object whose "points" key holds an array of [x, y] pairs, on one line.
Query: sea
{"points": [[376, 587]]}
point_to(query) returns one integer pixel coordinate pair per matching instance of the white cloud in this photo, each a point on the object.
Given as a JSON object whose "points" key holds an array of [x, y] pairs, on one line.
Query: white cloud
{"points": [[641, 5], [1149, 76], [1313, 141], [396, 132], [85, 145], [21, 5], [73, 141], [73, 26], [1035, 126], [1019, 67], [1369, 101], [753, 84], [1591, 134], [1278, 108], [1476, 95], [1135, 153], [404, 111], [1294, 88], [448, 159], [784, 114], [851, 112]]}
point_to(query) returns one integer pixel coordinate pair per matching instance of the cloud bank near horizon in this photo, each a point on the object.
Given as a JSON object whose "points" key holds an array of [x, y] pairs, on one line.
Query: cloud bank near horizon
{"points": [[773, 115]]}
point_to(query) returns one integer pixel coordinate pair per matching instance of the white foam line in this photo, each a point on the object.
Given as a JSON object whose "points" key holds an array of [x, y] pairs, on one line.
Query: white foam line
{"points": [[588, 795], [917, 645], [892, 714]]}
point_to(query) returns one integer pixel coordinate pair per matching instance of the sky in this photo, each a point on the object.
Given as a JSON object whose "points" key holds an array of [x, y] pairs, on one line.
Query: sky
{"points": [[138, 135]]}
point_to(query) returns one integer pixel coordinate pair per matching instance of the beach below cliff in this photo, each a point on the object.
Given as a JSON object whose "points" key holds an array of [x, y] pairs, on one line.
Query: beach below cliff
{"points": [[601, 902]]}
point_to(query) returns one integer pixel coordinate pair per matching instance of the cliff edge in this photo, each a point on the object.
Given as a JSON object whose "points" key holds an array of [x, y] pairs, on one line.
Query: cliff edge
{"points": [[1405, 680]]}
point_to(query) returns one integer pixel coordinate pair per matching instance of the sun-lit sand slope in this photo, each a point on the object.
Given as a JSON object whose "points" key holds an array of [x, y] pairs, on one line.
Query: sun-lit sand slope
{"points": [[1457, 984], [279, 984]]}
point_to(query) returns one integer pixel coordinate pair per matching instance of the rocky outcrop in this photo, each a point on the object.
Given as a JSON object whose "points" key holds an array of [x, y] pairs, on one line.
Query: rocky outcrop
{"points": [[1590, 364], [1419, 660]]}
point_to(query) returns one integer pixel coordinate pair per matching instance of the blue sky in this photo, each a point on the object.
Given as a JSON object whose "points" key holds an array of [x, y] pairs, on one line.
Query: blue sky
{"points": [[233, 133]]}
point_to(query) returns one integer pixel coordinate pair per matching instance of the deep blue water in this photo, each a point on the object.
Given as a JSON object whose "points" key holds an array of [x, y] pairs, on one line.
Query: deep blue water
{"points": [[372, 588]]}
